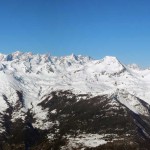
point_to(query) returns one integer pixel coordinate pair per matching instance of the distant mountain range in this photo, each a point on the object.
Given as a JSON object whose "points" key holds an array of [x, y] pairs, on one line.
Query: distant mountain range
{"points": [[73, 102]]}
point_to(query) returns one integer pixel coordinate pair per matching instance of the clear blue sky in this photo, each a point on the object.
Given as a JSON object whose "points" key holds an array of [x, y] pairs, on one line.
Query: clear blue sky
{"points": [[89, 27]]}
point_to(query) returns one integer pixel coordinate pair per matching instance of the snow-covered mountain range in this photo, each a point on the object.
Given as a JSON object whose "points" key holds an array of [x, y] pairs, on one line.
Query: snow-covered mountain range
{"points": [[30, 82]]}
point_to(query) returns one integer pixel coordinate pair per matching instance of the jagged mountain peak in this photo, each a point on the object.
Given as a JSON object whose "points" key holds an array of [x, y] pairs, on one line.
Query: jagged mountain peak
{"points": [[73, 56], [108, 65], [47, 58], [110, 59], [77, 72], [23, 56]]}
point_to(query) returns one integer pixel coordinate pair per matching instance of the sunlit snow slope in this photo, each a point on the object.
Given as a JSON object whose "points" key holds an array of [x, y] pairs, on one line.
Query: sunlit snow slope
{"points": [[34, 75]]}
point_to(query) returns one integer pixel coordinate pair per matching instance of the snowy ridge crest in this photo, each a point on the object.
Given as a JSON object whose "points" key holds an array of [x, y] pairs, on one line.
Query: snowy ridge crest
{"points": [[36, 75]]}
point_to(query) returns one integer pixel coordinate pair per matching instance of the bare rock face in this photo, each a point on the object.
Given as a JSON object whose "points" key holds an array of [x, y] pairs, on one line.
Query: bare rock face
{"points": [[72, 102]]}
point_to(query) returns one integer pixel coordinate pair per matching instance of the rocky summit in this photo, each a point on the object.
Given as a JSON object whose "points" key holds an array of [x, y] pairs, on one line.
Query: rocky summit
{"points": [[73, 103]]}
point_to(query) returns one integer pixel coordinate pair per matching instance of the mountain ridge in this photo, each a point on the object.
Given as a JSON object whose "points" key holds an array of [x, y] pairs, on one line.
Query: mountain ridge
{"points": [[51, 92]]}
